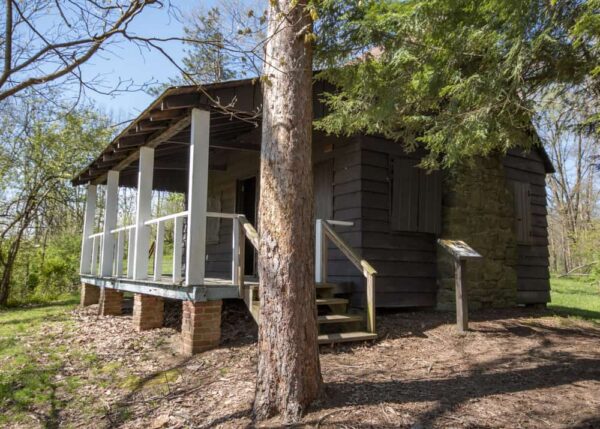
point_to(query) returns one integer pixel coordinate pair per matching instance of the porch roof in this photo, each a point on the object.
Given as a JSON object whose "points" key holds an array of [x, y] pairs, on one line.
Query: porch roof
{"points": [[165, 125]]}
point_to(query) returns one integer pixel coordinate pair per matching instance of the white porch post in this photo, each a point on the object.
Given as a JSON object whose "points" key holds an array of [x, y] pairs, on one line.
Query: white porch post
{"points": [[197, 196], [85, 266], [143, 213], [110, 223]]}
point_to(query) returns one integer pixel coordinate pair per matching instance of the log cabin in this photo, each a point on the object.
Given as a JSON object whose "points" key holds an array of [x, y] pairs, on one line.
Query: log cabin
{"points": [[377, 220]]}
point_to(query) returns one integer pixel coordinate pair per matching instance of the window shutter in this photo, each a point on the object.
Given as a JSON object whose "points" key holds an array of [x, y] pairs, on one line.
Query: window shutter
{"points": [[522, 199], [405, 195], [416, 198], [430, 202]]}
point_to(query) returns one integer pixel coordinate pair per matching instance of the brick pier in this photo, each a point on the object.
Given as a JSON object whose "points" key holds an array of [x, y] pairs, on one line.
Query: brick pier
{"points": [[201, 326], [90, 294], [148, 312], [111, 302]]}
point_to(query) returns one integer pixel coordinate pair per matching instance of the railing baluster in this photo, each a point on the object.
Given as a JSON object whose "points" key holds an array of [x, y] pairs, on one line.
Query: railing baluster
{"points": [[177, 248], [371, 303], [120, 254], [94, 262], [130, 252], [158, 250], [235, 252], [321, 255]]}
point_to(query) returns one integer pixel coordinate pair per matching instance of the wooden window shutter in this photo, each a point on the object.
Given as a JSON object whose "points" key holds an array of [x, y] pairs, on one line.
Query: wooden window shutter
{"points": [[416, 198], [522, 199], [405, 195], [430, 202]]}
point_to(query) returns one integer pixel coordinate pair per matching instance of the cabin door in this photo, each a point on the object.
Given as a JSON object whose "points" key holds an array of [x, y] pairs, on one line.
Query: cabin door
{"points": [[246, 204]]}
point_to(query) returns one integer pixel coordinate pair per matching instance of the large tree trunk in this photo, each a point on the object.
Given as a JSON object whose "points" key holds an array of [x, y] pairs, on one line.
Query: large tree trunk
{"points": [[289, 374]]}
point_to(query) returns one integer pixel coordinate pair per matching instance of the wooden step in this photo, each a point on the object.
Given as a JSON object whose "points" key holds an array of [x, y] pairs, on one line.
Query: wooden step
{"points": [[331, 301], [344, 337], [340, 318], [325, 285]]}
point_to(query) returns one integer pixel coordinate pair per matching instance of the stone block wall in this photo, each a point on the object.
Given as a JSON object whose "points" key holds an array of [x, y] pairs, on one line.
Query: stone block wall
{"points": [[478, 208]]}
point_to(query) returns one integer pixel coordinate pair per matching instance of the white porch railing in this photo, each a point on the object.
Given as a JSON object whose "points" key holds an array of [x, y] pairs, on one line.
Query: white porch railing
{"points": [[120, 254], [324, 232], [96, 240], [125, 244], [177, 218]]}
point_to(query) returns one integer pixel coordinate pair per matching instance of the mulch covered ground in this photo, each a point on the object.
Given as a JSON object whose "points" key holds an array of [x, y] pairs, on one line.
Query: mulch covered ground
{"points": [[515, 368]]}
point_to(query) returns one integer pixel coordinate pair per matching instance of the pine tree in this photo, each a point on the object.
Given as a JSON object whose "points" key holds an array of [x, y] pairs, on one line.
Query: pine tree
{"points": [[461, 77]]}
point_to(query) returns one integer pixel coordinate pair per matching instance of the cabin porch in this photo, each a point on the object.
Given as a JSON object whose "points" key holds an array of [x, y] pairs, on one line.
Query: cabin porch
{"points": [[175, 145]]}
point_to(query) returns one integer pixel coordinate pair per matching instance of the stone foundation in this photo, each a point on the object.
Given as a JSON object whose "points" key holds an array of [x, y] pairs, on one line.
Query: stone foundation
{"points": [[90, 294], [200, 326], [148, 312], [478, 208], [111, 302]]}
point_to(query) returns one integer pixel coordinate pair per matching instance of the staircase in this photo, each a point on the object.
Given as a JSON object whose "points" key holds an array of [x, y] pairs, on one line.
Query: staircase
{"points": [[337, 322]]}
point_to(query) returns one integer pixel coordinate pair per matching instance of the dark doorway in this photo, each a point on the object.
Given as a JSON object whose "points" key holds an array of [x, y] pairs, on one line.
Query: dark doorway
{"points": [[246, 204]]}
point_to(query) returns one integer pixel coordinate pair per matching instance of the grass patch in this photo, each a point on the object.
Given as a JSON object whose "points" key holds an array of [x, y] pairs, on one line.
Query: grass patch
{"points": [[30, 360], [576, 298]]}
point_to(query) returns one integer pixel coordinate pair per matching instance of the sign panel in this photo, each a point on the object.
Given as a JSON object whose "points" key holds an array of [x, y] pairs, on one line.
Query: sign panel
{"points": [[459, 249]]}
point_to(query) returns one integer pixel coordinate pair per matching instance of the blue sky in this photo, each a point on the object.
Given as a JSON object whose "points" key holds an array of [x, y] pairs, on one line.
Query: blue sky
{"points": [[124, 61]]}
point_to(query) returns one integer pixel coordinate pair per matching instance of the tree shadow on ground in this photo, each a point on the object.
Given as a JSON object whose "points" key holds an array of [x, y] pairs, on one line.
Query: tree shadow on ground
{"points": [[594, 316], [559, 367], [237, 329], [450, 393], [118, 413], [34, 390]]}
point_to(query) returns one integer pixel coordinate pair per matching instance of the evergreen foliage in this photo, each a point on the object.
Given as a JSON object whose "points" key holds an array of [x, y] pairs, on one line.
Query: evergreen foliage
{"points": [[461, 77]]}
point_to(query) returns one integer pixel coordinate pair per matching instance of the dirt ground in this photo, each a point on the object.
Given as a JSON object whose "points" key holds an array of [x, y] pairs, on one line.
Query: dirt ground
{"points": [[515, 368]]}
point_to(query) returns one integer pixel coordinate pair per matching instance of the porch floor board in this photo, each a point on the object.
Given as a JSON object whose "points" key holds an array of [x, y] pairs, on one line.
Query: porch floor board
{"points": [[211, 289]]}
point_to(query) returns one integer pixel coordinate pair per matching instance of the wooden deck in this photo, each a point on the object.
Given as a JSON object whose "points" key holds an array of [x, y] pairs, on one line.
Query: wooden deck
{"points": [[211, 289]]}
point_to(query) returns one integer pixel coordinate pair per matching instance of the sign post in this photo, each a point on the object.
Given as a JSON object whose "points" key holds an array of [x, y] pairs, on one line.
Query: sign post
{"points": [[460, 251]]}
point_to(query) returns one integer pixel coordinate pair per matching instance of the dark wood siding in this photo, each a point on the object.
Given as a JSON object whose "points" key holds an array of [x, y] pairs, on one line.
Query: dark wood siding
{"points": [[347, 194], [533, 276], [405, 261], [323, 189]]}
